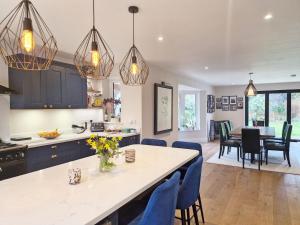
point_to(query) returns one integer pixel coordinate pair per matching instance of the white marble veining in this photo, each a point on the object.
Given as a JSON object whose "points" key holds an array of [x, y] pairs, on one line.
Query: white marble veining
{"points": [[37, 141], [45, 197]]}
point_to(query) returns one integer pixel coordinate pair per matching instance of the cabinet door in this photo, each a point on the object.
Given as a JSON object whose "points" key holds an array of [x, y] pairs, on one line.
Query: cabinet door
{"points": [[55, 80], [85, 150], [30, 87], [39, 158], [67, 152], [75, 90]]}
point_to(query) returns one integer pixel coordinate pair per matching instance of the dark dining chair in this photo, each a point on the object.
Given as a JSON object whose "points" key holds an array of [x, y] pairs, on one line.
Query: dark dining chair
{"points": [[154, 142], [283, 134], [161, 206], [251, 144], [226, 142], [284, 147], [189, 194]]}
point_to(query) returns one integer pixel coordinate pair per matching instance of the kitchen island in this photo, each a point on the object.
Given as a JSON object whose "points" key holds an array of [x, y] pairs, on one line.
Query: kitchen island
{"points": [[45, 197]]}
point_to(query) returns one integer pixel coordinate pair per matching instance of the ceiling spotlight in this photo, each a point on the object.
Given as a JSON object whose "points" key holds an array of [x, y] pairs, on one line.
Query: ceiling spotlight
{"points": [[160, 38], [206, 67], [269, 16]]}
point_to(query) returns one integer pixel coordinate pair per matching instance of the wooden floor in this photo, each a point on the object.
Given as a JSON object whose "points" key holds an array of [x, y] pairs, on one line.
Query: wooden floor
{"points": [[236, 196]]}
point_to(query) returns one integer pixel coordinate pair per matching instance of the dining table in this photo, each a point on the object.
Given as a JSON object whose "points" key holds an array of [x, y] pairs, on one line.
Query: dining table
{"points": [[265, 132], [46, 197]]}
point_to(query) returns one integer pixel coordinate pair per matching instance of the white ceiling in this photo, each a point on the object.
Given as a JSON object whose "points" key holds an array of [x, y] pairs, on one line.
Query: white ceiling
{"points": [[229, 36]]}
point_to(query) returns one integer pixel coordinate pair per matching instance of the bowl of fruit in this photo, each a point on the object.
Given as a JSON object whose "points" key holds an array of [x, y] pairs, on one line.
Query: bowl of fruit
{"points": [[49, 134]]}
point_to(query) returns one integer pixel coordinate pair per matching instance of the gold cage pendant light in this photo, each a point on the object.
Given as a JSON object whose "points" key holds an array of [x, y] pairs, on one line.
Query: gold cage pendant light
{"points": [[94, 58], [26, 42], [133, 69], [251, 89]]}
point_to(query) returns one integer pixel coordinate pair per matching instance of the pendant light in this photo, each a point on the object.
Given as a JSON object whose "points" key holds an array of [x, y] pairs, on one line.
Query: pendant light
{"points": [[93, 58], [133, 68], [250, 90], [26, 42]]}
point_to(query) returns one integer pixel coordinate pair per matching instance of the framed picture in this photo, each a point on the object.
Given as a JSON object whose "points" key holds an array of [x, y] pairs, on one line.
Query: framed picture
{"points": [[232, 100], [233, 108], [225, 107], [240, 105], [225, 100], [163, 108], [210, 103], [240, 99], [218, 105], [219, 100]]}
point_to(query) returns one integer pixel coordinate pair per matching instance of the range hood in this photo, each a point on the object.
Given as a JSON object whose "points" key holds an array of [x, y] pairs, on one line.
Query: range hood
{"points": [[6, 91]]}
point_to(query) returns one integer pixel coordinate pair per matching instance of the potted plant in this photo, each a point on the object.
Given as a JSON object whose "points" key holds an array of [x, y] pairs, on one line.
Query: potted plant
{"points": [[106, 149]]}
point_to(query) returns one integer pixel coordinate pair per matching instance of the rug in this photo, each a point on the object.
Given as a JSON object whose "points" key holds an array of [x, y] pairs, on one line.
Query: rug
{"points": [[276, 163]]}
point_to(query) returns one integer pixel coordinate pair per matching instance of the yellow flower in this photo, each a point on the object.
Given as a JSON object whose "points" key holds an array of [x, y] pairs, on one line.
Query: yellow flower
{"points": [[114, 139], [93, 145], [102, 139], [107, 146], [120, 138], [93, 135]]}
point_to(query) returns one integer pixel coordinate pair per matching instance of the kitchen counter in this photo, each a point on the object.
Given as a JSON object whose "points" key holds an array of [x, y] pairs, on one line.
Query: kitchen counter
{"points": [[45, 197], [38, 142]]}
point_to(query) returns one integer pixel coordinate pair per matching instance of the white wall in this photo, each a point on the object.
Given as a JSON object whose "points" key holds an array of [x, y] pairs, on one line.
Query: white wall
{"points": [[238, 117], [158, 75]]}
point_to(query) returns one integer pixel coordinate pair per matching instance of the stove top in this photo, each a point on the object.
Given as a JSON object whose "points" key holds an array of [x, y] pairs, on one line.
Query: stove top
{"points": [[4, 146]]}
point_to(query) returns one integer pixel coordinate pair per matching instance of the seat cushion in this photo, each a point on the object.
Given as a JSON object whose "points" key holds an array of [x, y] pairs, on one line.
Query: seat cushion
{"points": [[274, 146], [234, 143]]}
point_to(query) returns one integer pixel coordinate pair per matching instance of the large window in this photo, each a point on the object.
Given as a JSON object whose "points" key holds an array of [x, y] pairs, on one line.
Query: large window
{"points": [[275, 107], [189, 114]]}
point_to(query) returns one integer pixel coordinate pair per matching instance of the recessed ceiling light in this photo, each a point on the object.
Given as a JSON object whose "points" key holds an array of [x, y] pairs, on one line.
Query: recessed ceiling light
{"points": [[268, 16], [293, 75], [160, 38], [206, 67]]}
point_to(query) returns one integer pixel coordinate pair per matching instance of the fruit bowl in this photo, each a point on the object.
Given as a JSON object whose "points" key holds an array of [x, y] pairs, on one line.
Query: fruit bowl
{"points": [[49, 134]]}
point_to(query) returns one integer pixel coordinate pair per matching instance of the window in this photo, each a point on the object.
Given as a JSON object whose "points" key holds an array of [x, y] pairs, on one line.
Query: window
{"points": [[275, 107], [117, 96], [189, 113]]}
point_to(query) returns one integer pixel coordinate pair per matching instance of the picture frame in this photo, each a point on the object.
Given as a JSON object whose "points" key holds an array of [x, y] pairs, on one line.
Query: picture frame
{"points": [[210, 103], [240, 105], [240, 99], [225, 107], [218, 105], [225, 100], [219, 100], [163, 108], [233, 107], [232, 100]]}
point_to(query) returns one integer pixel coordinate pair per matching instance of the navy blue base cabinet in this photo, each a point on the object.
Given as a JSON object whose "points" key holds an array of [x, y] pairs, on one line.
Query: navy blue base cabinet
{"points": [[51, 155], [60, 87]]}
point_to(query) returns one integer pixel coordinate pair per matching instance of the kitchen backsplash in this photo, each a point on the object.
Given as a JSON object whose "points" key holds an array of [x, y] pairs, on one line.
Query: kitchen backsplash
{"points": [[32, 121]]}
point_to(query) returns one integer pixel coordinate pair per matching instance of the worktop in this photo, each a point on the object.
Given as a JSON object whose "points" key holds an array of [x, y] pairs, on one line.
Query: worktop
{"points": [[45, 197], [66, 137]]}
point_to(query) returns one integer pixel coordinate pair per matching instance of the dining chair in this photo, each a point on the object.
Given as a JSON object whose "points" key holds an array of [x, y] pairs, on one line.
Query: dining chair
{"points": [[284, 147], [283, 134], [155, 142], [251, 144], [226, 142], [189, 194], [160, 209]]}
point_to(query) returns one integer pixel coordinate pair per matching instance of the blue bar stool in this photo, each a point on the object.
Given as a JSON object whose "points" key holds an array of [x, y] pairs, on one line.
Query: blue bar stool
{"points": [[160, 209], [155, 142], [189, 193]]}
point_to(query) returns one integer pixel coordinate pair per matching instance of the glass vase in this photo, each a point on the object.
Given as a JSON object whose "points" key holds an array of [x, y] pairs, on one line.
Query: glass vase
{"points": [[105, 164]]}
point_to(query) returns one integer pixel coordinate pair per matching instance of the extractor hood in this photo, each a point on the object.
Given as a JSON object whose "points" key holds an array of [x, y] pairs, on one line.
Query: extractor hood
{"points": [[6, 91]]}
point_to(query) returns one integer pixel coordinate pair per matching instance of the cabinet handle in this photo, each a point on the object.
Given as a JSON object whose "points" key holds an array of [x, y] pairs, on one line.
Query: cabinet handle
{"points": [[78, 142], [1, 170], [54, 147], [45, 106], [51, 106], [69, 106], [54, 156]]}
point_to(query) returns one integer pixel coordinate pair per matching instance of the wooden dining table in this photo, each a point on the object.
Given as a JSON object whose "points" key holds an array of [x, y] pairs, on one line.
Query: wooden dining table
{"points": [[265, 132]]}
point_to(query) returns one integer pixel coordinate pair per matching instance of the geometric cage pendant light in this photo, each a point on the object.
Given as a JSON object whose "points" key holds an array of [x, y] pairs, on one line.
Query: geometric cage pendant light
{"points": [[133, 68], [26, 42], [94, 58], [250, 90]]}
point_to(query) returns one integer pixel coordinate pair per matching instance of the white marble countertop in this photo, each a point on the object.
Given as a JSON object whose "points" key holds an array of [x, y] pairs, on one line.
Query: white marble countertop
{"points": [[45, 197], [65, 137]]}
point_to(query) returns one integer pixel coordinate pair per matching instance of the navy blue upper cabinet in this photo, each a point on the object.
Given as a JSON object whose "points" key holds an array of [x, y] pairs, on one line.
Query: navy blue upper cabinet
{"points": [[60, 87]]}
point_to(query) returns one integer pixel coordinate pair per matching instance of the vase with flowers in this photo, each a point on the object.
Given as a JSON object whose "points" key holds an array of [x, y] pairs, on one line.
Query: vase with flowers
{"points": [[106, 149]]}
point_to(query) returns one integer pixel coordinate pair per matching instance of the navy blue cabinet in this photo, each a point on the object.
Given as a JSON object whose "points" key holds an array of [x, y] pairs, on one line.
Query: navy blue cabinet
{"points": [[60, 87]]}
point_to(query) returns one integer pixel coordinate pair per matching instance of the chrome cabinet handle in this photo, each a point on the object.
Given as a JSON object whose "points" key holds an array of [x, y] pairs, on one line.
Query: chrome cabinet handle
{"points": [[51, 106], [54, 156], [69, 106], [54, 147], [1, 170], [45, 106]]}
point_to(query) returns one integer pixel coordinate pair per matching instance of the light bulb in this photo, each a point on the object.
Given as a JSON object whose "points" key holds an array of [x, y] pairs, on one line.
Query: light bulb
{"points": [[27, 40], [134, 69], [95, 58]]}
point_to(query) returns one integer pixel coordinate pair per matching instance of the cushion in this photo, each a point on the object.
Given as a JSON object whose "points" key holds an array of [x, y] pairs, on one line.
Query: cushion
{"points": [[274, 146]]}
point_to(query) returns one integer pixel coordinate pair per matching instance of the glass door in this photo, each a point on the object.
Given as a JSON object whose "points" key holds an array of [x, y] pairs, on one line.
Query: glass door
{"points": [[277, 111], [256, 108], [295, 114]]}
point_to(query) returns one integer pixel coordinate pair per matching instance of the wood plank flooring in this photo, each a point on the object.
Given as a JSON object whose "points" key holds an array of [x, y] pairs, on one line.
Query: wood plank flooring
{"points": [[236, 196]]}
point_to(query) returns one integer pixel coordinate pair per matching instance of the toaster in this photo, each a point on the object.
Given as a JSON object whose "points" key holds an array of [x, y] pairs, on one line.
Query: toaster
{"points": [[97, 127]]}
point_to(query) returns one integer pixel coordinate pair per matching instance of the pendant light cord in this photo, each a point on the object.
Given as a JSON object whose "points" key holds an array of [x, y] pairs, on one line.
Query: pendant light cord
{"points": [[93, 14], [133, 28]]}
